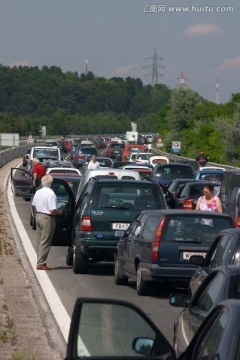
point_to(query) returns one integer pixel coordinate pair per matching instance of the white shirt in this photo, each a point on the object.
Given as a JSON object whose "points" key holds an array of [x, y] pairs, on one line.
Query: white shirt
{"points": [[93, 165], [45, 200]]}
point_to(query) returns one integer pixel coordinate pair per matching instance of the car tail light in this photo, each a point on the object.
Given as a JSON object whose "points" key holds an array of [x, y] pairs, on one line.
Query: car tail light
{"points": [[85, 224], [188, 205], [238, 221], [156, 241], [79, 157]]}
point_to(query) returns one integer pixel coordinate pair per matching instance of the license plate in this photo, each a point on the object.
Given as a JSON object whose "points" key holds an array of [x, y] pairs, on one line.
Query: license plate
{"points": [[187, 255], [120, 226]]}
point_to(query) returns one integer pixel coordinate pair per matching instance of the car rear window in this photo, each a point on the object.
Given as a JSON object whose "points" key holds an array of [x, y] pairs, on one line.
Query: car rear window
{"points": [[167, 172], [197, 229], [88, 150], [129, 197]]}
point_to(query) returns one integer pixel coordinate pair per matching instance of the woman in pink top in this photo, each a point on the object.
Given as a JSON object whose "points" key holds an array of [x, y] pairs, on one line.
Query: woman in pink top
{"points": [[209, 202]]}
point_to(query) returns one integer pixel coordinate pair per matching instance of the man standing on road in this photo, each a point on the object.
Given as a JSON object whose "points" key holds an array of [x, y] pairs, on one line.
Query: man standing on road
{"points": [[45, 203], [38, 172], [93, 164]]}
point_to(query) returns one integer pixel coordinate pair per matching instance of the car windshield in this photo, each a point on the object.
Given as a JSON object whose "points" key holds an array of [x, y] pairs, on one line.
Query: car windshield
{"points": [[51, 152], [200, 229]]}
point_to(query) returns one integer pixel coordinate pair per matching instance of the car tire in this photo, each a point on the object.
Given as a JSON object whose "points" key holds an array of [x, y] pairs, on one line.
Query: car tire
{"points": [[69, 256], [118, 277], [80, 262], [142, 286]]}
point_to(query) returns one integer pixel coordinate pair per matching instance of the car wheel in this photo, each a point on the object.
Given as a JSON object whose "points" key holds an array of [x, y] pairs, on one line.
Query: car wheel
{"points": [[142, 286], [69, 256], [118, 277], [80, 262]]}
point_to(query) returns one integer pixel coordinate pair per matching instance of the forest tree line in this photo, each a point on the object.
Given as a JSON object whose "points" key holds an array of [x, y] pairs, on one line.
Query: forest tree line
{"points": [[69, 103]]}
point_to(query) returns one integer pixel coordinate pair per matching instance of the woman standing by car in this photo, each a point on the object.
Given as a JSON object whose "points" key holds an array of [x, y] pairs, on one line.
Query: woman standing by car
{"points": [[209, 202]]}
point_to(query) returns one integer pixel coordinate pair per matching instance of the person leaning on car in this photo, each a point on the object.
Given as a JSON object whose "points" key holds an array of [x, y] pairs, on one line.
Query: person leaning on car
{"points": [[45, 203], [38, 172]]}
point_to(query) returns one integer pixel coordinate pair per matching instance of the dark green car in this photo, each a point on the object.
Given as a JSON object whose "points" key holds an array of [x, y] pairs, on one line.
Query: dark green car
{"points": [[104, 207]]}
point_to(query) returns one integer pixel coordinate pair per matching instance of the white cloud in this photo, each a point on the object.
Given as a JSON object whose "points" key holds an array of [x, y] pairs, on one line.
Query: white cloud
{"points": [[125, 70], [202, 29], [230, 64], [20, 63]]}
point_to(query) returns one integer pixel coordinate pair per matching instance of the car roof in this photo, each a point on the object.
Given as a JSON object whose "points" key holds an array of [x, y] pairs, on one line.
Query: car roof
{"points": [[185, 213], [121, 182]]}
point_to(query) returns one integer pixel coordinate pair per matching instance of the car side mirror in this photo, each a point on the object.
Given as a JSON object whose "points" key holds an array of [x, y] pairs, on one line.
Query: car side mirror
{"points": [[178, 300], [197, 260]]}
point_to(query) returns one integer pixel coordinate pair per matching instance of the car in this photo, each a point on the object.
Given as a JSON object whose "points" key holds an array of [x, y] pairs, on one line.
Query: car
{"points": [[145, 172], [158, 244], [26, 157], [120, 164], [45, 153], [221, 284], [103, 207], [209, 174], [230, 193], [158, 159], [63, 170], [22, 187], [106, 173], [216, 338], [172, 189], [104, 162], [112, 149], [131, 148], [82, 153], [143, 158], [225, 250], [188, 194], [163, 174]]}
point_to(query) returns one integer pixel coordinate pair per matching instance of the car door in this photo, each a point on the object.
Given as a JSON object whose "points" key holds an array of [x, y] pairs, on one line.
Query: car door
{"points": [[21, 183], [209, 294], [64, 231]]}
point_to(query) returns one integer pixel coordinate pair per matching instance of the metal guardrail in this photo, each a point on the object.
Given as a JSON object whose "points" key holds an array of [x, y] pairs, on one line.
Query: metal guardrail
{"points": [[173, 158]]}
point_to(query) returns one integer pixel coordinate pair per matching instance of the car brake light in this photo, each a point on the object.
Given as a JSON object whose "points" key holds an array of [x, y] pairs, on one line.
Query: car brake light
{"points": [[188, 205], [238, 221], [156, 241], [85, 224]]}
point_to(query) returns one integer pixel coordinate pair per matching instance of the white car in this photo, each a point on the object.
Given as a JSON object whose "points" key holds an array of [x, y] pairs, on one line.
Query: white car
{"points": [[143, 158], [63, 170], [158, 159]]}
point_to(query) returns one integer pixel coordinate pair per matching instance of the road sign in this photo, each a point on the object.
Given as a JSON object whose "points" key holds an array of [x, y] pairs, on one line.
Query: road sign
{"points": [[176, 146]]}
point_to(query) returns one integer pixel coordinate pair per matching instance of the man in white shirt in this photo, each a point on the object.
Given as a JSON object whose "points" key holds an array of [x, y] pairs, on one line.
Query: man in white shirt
{"points": [[93, 164], [45, 203]]}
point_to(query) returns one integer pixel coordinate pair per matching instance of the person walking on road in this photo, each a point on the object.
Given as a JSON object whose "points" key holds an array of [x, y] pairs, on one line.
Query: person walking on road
{"points": [[45, 203], [38, 172]]}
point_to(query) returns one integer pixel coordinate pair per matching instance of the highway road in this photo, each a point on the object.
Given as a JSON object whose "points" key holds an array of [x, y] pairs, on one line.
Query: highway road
{"points": [[61, 286]]}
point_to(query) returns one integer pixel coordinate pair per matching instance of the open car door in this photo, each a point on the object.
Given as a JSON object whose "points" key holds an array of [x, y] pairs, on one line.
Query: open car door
{"points": [[21, 183], [114, 329]]}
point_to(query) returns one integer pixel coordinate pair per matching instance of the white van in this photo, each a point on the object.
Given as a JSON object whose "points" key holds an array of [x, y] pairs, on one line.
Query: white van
{"points": [[45, 153], [105, 172]]}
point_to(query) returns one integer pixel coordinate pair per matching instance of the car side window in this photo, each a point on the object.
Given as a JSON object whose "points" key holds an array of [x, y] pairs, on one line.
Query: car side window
{"points": [[150, 228], [136, 227], [209, 296], [222, 251], [211, 340], [237, 256]]}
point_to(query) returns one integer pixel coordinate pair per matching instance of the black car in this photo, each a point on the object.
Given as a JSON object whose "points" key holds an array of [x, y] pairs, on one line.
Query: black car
{"points": [[188, 194], [221, 284], [163, 174], [225, 250], [172, 189], [138, 337], [82, 153], [105, 206], [159, 243]]}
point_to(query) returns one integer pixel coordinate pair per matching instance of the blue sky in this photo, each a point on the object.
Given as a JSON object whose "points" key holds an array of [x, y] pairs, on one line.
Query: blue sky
{"points": [[118, 38]]}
